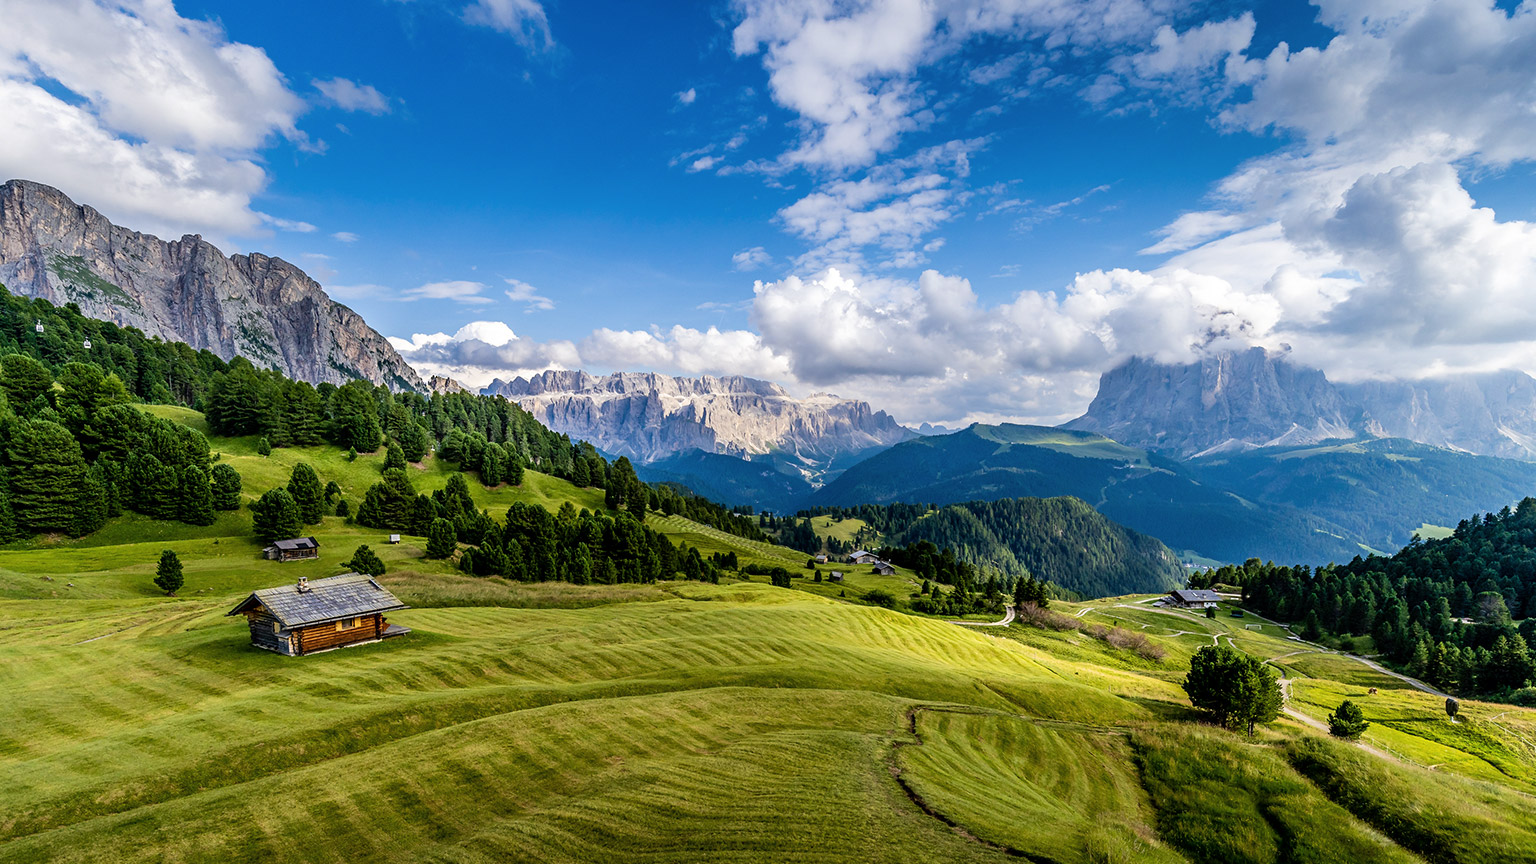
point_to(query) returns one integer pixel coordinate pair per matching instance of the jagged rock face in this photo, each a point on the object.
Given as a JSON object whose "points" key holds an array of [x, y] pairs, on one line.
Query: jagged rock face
{"points": [[444, 384], [1234, 399], [1493, 414], [1241, 400], [187, 291], [647, 416]]}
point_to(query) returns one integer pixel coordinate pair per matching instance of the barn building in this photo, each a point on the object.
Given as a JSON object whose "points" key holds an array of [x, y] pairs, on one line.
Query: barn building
{"points": [[297, 549], [320, 615], [884, 569]]}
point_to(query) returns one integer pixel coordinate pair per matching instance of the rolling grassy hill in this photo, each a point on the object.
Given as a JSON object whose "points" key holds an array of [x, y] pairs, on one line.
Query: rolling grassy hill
{"points": [[678, 722]]}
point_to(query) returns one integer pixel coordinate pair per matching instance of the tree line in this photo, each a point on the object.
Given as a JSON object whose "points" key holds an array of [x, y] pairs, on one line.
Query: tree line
{"points": [[1444, 609]]}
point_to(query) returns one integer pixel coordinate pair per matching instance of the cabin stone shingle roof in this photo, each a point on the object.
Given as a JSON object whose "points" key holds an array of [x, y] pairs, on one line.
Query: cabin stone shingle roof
{"points": [[1194, 597], [296, 544], [322, 601]]}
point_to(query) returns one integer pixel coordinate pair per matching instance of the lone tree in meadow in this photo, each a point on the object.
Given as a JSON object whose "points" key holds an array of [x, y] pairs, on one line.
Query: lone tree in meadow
{"points": [[440, 539], [1348, 721], [1236, 689], [366, 561], [168, 575], [276, 516], [263, 447]]}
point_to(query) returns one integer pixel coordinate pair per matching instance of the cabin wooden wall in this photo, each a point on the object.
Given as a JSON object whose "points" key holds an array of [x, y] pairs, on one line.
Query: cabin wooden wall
{"points": [[263, 635], [322, 636]]}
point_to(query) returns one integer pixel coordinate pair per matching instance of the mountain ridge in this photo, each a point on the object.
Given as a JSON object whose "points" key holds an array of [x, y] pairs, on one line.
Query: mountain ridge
{"points": [[258, 306], [651, 417], [1233, 401]]}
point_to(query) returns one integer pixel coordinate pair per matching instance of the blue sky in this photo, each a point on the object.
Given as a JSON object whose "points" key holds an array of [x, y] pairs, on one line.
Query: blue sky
{"points": [[957, 209]]}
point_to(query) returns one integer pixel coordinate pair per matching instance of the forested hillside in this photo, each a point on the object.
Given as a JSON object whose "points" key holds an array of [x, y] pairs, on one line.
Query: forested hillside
{"points": [[1059, 540], [1445, 609], [1322, 503]]}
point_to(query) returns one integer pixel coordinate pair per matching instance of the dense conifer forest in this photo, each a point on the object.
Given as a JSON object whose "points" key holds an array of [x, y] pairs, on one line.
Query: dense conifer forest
{"points": [[1444, 609], [1059, 540], [76, 452]]}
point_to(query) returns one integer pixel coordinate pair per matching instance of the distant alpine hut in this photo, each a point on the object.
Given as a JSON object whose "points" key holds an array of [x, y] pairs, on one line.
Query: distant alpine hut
{"points": [[394, 538], [320, 615], [1188, 598], [822, 558], [884, 569], [836, 576], [861, 557], [297, 549]]}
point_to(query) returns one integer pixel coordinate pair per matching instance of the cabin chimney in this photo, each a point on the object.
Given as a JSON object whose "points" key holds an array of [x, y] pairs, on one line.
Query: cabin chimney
{"points": [[303, 584]]}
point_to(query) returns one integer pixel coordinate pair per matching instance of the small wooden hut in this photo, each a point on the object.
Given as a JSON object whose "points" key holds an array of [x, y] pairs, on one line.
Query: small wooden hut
{"points": [[297, 549], [321, 615]]}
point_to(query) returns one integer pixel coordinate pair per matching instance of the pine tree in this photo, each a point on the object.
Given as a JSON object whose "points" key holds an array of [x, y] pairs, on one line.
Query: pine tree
{"points": [[263, 447], [276, 516], [441, 540], [366, 561], [91, 512], [304, 486], [389, 503], [23, 380], [514, 475], [47, 473], [493, 464], [225, 485], [394, 457], [1348, 721], [168, 575], [195, 504]]}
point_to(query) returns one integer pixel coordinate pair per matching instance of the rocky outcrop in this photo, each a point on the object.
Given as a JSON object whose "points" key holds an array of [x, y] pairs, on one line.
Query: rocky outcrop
{"points": [[1236, 401], [186, 290], [1222, 401], [444, 384], [648, 417]]}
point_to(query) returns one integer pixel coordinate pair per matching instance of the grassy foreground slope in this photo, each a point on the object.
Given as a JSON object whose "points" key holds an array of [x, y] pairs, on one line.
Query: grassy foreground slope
{"points": [[667, 722]]}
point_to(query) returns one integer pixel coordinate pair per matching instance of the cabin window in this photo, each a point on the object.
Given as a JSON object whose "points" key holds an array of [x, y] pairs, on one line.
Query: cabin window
{"points": [[276, 627]]}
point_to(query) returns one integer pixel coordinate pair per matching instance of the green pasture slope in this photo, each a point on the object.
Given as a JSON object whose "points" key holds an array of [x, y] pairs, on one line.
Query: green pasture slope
{"points": [[677, 722]]}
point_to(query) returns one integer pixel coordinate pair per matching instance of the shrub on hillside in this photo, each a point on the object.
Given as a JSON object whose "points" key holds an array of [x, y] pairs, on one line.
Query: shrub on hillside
{"points": [[1031, 615]]}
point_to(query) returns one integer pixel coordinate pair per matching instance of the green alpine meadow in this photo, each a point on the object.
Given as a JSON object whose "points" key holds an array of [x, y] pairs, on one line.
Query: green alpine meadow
{"points": [[767, 432]]}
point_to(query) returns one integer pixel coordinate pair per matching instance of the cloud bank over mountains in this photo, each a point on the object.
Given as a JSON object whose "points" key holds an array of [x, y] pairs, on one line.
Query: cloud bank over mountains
{"points": [[1355, 242], [1358, 241]]}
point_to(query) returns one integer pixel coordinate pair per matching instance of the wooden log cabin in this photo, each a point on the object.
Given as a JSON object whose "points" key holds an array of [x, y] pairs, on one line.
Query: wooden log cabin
{"points": [[297, 549], [317, 616]]}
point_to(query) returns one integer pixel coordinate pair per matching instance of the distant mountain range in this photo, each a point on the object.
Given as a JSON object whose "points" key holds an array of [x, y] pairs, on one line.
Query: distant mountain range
{"points": [[186, 290], [675, 424], [1237, 401], [1307, 504]]}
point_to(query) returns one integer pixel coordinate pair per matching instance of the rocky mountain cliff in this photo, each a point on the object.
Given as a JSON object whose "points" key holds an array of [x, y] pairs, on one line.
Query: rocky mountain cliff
{"points": [[649, 417], [188, 291], [1237, 401]]}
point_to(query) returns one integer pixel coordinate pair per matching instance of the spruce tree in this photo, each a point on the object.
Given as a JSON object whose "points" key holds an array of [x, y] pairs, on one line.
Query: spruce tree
{"points": [[394, 457], [225, 484], [1348, 721], [23, 380], [304, 486], [263, 446], [276, 516], [389, 503], [47, 474], [493, 464], [514, 475], [91, 511], [195, 497], [441, 540], [168, 575], [366, 561]]}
